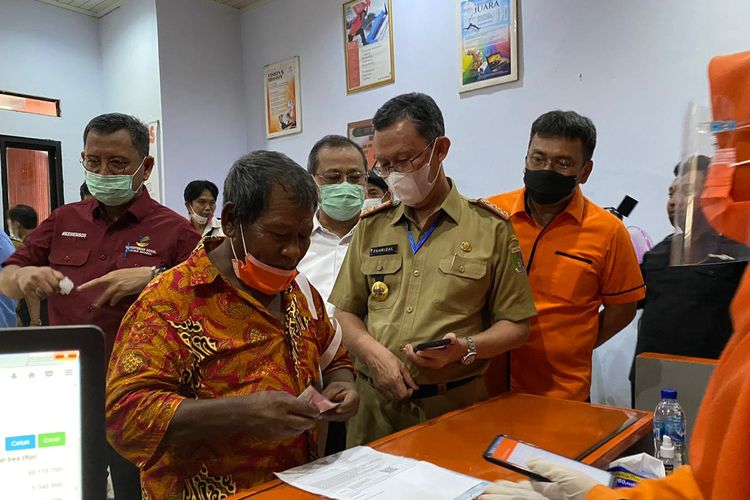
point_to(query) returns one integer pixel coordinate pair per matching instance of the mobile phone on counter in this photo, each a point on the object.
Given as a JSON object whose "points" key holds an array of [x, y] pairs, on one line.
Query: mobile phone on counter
{"points": [[513, 454], [434, 344]]}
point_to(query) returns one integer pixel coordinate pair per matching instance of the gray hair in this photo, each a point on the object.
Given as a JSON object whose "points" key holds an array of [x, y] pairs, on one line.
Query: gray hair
{"points": [[112, 122], [251, 179]]}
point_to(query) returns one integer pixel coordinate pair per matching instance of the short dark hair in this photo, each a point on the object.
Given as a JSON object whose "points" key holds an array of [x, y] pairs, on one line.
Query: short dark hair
{"points": [[332, 141], [112, 122], [377, 180], [420, 109], [252, 178], [84, 191], [568, 125], [195, 189], [24, 215], [701, 165]]}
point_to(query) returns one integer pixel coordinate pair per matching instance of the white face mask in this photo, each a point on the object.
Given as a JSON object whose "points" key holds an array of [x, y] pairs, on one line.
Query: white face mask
{"points": [[198, 219], [413, 187], [371, 203]]}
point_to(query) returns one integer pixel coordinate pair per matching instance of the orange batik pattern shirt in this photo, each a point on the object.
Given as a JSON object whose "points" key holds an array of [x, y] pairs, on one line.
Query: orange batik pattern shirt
{"points": [[192, 335]]}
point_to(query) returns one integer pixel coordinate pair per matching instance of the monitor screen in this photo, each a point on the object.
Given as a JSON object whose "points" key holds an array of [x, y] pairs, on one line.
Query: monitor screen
{"points": [[40, 425]]}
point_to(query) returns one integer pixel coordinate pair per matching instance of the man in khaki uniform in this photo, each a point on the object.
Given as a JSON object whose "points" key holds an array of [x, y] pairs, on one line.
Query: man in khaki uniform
{"points": [[433, 266]]}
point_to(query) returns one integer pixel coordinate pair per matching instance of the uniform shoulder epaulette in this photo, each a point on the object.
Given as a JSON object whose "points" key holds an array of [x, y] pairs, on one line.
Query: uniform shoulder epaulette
{"points": [[375, 210], [488, 205]]}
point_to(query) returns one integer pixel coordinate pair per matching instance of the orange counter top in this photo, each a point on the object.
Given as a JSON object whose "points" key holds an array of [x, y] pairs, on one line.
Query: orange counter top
{"points": [[594, 434]]}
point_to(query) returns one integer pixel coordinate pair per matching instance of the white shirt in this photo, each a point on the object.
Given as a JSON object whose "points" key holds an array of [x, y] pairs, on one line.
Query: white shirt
{"points": [[213, 228], [323, 260]]}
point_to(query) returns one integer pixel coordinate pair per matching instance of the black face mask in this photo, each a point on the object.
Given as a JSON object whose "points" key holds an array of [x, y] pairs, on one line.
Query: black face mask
{"points": [[547, 186]]}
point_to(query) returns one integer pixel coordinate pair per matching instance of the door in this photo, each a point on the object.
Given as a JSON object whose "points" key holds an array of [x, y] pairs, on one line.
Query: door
{"points": [[31, 174]]}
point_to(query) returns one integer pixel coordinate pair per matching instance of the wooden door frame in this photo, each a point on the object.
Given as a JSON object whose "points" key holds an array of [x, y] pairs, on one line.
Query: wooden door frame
{"points": [[54, 156]]}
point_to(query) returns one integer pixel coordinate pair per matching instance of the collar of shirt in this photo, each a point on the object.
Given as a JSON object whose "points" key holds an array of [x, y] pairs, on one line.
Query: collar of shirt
{"points": [[139, 208], [451, 206], [574, 209], [214, 223], [204, 272], [319, 229]]}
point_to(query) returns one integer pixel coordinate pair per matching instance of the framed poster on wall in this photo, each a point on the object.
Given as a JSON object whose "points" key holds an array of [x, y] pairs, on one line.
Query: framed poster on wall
{"points": [[368, 44], [281, 89], [487, 40], [363, 133]]}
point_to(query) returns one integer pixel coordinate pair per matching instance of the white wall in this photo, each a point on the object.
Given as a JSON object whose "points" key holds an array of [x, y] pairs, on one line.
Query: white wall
{"points": [[203, 96], [51, 52], [630, 66], [130, 60]]}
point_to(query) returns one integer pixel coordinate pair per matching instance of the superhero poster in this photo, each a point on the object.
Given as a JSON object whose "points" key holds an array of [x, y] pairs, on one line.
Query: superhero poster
{"points": [[487, 43], [368, 44]]}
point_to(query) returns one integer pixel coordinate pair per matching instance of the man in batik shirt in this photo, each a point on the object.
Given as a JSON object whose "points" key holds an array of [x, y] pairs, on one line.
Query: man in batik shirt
{"points": [[209, 361]]}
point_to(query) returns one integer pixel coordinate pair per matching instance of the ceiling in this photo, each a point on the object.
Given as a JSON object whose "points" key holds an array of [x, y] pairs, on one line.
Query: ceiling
{"points": [[99, 8]]}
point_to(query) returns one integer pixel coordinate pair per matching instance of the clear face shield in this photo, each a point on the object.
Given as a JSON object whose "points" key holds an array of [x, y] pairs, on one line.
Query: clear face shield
{"points": [[708, 140]]}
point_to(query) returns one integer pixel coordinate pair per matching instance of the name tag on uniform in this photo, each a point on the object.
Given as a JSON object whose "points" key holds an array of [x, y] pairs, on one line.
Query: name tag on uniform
{"points": [[384, 250]]}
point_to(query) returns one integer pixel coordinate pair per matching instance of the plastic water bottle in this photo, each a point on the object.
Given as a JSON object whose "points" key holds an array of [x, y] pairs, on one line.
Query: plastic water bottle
{"points": [[669, 420]]}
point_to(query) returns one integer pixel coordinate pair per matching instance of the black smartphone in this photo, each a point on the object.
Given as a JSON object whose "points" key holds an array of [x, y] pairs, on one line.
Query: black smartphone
{"points": [[434, 344], [513, 454]]}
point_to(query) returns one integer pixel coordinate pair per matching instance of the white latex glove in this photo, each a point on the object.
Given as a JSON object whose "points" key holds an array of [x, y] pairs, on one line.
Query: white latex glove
{"points": [[508, 490], [566, 484]]}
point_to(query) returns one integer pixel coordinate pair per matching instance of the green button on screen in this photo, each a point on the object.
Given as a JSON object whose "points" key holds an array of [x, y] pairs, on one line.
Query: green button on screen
{"points": [[51, 439]]}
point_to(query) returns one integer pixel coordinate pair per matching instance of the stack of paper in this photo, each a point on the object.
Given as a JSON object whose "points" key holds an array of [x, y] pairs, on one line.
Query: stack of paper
{"points": [[362, 473]]}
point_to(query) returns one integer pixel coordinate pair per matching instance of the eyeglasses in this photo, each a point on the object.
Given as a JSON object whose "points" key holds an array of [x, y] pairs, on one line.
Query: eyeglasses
{"points": [[539, 161], [404, 166], [95, 164], [335, 177]]}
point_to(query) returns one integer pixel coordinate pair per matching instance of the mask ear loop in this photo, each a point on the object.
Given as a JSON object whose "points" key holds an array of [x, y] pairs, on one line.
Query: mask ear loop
{"points": [[143, 181], [231, 244]]}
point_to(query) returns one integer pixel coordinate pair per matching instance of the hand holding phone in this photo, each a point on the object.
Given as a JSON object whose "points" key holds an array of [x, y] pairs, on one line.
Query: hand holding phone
{"points": [[434, 344], [514, 455]]}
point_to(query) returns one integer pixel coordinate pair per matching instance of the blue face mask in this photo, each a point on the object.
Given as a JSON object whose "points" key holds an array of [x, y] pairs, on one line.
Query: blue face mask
{"points": [[113, 190], [342, 201]]}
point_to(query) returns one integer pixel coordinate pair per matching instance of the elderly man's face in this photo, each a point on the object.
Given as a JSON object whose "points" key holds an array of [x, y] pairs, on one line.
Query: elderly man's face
{"points": [[280, 237]]}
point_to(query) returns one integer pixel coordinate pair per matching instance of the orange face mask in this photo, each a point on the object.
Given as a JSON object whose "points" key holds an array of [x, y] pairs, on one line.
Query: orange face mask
{"points": [[266, 279]]}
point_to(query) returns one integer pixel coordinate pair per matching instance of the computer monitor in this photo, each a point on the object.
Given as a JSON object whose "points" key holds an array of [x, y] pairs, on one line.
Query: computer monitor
{"points": [[52, 437]]}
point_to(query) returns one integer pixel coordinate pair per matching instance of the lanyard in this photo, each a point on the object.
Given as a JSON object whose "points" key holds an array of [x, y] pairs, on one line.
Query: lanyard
{"points": [[416, 246]]}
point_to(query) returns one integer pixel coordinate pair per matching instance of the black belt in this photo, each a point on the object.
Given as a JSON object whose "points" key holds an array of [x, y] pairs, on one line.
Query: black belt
{"points": [[430, 390]]}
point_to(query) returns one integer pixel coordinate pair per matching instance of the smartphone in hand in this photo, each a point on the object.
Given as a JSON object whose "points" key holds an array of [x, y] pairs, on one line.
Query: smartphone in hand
{"points": [[513, 454], [435, 344]]}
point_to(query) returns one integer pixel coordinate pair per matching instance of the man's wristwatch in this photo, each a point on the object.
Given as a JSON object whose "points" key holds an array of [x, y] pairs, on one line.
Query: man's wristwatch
{"points": [[471, 354]]}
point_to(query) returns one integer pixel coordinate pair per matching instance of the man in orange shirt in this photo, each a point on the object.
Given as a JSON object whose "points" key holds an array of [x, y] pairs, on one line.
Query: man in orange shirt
{"points": [[578, 257], [719, 452]]}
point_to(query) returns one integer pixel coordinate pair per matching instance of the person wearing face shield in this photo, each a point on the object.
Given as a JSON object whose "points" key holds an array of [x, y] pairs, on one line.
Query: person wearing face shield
{"points": [[209, 361], [718, 450], [200, 202], [431, 266], [579, 257], [109, 246]]}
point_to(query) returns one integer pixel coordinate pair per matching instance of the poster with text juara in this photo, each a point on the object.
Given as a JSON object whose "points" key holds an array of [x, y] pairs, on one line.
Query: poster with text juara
{"points": [[487, 37]]}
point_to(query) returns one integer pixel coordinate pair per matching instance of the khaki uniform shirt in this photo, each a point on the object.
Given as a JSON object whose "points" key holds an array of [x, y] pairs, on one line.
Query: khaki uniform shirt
{"points": [[467, 276]]}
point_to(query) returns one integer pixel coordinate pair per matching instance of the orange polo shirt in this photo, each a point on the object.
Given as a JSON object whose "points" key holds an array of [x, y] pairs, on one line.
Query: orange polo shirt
{"points": [[582, 259]]}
